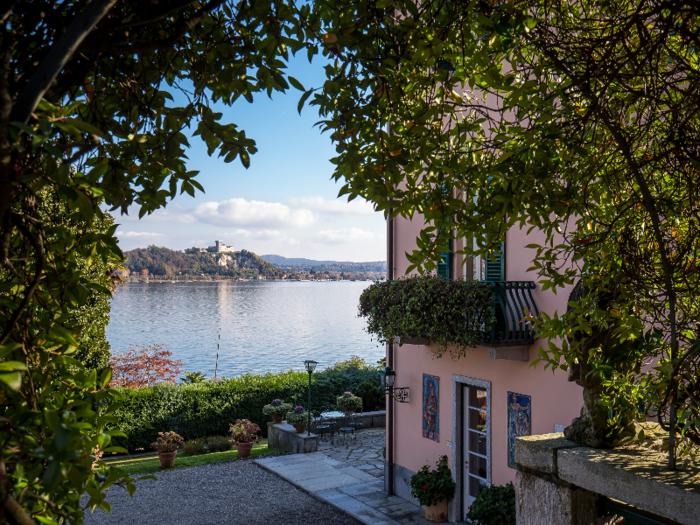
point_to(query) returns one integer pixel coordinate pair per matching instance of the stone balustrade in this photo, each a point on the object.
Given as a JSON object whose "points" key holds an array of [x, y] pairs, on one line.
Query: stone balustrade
{"points": [[563, 483]]}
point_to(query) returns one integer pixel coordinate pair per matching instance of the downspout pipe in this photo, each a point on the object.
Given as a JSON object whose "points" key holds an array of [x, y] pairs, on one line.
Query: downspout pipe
{"points": [[390, 363], [390, 356]]}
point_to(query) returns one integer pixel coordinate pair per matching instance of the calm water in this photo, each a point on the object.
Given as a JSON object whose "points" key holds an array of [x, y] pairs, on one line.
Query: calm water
{"points": [[265, 327]]}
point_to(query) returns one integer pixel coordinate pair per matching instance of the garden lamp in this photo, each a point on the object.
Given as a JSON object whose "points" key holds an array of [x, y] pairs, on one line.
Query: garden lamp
{"points": [[388, 377], [310, 367]]}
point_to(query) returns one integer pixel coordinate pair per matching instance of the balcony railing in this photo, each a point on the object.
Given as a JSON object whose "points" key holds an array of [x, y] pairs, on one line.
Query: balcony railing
{"points": [[513, 301]]}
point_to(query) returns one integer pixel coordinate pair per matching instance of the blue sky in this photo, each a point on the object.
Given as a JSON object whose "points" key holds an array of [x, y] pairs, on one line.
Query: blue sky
{"points": [[285, 203]]}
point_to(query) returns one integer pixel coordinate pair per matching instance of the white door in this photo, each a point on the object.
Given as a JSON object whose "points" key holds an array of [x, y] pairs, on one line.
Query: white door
{"points": [[475, 443]]}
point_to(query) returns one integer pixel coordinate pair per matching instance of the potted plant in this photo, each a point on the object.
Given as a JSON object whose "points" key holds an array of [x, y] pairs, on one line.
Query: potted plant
{"points": [[244, 434], [277, 409], [349, 403], [494, 504], [298, 417], [167, 445], [434, 488]]}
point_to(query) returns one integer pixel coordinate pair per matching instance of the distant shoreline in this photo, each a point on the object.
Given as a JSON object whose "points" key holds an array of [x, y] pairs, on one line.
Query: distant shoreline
{"points": [[168, 281]]}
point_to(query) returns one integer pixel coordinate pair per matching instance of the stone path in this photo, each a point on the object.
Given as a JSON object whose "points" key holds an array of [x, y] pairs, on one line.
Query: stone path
{"points": [[365, 452], [346, 476]]}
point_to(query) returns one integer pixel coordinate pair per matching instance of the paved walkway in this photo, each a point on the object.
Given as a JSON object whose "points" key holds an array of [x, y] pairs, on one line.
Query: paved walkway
{"points": [[365, 452], [346, 476]]}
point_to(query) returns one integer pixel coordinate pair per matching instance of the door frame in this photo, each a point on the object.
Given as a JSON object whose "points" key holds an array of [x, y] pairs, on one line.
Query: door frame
{"points": [[458, 433]]}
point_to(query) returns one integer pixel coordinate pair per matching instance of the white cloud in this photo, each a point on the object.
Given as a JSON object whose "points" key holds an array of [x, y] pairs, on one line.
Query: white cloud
{"points": [[241, 212], [261, 235], [336, 206], [347, 235], [173, 213], [141, 235]]}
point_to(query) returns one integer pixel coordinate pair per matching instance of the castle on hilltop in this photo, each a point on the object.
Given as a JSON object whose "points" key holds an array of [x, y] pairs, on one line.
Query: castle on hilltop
{"points": [[219, 248]]}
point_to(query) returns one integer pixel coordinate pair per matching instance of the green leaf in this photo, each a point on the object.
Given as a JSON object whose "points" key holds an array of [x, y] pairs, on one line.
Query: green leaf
{"points": [[303, 98], [85, 126], [13, 380], [294, 82], [11, 366]]}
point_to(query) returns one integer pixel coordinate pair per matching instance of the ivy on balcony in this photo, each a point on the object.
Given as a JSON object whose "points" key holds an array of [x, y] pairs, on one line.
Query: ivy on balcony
{"points": [[452, 314]]}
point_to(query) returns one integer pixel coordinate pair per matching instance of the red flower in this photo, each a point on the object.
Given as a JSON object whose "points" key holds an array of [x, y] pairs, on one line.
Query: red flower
{"points": [[425, 487]]}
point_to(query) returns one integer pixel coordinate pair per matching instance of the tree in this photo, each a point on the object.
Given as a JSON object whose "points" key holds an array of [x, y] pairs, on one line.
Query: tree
{"points": [[144, 366], [574, 118], [87, 112], [92, 316]]}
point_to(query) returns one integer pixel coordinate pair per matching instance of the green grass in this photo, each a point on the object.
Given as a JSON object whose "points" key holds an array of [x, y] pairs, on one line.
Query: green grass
{"points": [[151, 464]]}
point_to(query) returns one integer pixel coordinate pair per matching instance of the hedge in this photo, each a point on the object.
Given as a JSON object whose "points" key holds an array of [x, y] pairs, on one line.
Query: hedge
{"points": [[206, 409]]}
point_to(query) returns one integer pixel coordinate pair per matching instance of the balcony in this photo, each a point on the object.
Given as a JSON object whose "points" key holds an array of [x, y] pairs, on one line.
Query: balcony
{"points": [[509, 336], [452, 315]]}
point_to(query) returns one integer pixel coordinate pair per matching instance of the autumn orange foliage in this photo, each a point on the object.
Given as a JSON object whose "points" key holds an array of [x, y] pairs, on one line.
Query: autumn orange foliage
{"points": [[144, 366]]}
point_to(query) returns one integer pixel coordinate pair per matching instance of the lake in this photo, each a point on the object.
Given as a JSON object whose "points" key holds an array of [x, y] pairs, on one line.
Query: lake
{"points": [[265, 326]]}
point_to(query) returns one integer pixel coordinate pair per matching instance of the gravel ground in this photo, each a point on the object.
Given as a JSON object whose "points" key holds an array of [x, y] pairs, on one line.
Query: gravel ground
{"points": [[224, 493]]}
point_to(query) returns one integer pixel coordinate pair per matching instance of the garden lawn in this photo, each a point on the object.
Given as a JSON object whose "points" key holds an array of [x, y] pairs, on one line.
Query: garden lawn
{"points": [[151, 464]]}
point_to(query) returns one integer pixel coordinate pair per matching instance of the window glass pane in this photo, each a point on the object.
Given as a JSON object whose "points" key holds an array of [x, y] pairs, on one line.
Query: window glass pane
{"points": [[477, 398], [477, 443], [476, 486], [477, 420], [477, 465]]}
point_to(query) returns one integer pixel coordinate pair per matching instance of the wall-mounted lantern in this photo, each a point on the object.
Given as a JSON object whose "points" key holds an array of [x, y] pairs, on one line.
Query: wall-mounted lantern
{"points": [[388, 378]]}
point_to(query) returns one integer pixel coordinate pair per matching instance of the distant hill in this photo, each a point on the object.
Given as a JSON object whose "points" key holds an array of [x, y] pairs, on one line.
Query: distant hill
{"points": [[334, 266], [159, 260]]}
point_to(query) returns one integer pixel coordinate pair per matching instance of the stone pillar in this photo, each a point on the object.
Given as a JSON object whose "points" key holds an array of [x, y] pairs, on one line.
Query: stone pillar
{"points": [[538, 501]]}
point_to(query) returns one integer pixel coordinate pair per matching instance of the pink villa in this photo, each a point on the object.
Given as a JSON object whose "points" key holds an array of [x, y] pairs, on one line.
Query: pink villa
{"points": [[481, 402]]}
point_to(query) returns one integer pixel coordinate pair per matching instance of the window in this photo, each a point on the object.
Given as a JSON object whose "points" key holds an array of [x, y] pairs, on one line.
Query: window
{"points": [[444, 268], [476, 453]]}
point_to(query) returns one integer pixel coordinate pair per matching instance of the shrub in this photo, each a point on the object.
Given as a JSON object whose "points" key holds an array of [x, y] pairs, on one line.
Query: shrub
{"points": [[349, 402], [219, 443], [433, 486], [195, 447], [372, 395], [298, 416], [449, 313], [495, 505], [205, 409]]}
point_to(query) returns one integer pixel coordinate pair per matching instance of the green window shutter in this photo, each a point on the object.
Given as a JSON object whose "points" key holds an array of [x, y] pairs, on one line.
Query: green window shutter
{"points": [[496, 269], [444, 268]]}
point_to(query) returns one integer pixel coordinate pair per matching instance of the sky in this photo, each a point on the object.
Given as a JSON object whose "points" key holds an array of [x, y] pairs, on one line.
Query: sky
{"points": [[285, 203]]}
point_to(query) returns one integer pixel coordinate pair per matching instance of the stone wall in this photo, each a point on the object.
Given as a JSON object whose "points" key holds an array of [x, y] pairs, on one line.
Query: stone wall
{"points": [[559, 481]]}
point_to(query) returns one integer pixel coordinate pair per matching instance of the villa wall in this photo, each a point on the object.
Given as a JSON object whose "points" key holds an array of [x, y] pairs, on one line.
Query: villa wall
{"points": [[554, 400]]}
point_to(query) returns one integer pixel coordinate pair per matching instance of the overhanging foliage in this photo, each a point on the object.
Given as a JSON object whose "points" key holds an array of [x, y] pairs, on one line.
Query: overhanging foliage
{"points": [[452, 314]]}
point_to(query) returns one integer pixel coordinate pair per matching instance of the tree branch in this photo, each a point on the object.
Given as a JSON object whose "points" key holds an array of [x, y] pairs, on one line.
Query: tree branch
{"points": [[61, 52]]}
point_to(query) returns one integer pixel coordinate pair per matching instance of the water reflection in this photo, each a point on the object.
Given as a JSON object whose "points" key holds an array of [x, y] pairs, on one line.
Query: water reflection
{"points": [[265, 327]]}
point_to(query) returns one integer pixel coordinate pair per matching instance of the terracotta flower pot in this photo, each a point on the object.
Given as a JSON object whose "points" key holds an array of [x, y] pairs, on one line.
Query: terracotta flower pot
{"points": [[244, 449], [167, 459], [300, 428], [277, 418], [436, 513]]}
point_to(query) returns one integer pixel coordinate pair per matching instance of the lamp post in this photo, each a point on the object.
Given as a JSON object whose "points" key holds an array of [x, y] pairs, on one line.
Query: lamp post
{"points": [[310, 367]]}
